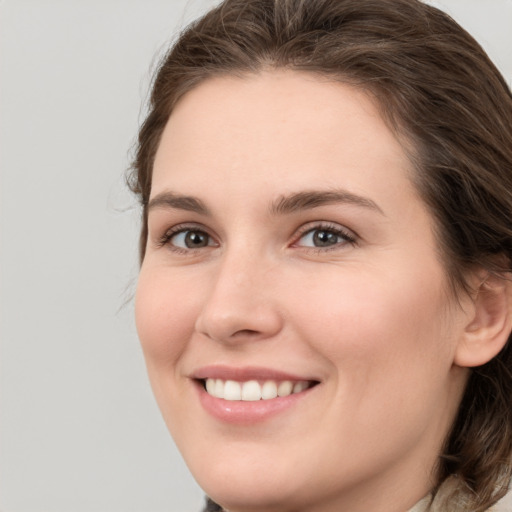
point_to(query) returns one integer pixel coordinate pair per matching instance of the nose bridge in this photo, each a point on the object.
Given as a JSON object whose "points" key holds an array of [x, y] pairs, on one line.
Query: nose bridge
{"points": [[240, 304], [247, 266]]}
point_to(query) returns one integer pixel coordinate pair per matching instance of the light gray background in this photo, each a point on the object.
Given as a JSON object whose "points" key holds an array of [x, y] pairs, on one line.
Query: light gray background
{"points": [[79, 428]]}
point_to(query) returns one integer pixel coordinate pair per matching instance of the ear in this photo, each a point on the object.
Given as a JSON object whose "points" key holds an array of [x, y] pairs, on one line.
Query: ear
{"points": [[490, 321]]}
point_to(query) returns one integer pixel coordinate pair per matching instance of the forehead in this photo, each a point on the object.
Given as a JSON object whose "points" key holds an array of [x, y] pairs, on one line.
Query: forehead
{"points": [[279, 127]]}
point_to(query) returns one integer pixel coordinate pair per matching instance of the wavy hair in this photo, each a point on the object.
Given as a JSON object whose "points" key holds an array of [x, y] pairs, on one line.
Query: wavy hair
{"points": [[443, 97]]}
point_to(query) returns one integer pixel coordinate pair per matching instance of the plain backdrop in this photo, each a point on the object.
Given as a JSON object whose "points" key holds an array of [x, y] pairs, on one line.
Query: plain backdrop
{"points": [[80, 431]]}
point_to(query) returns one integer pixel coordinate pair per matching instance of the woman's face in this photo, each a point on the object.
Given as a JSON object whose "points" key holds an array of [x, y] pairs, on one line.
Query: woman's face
{"points": [[289, 252]]}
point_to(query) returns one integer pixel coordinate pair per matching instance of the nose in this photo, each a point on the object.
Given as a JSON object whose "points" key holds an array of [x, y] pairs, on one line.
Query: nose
{"points": [[241, 304]]}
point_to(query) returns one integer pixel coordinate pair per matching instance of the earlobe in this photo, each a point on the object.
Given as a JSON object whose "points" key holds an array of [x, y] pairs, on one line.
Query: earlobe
{"points": [[489, 327]]}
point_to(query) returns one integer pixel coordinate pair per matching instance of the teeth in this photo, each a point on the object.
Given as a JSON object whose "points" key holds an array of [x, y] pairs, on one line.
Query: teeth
{"points": [[300, 386], [219, 388], [210, 387], [285, 388], [232, 390], [269, 390], [253, 390]]}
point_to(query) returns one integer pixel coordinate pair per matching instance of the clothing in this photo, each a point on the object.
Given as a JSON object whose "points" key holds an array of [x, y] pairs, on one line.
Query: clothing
{"points": [[211, 506], [421, 506], [425, 505]]}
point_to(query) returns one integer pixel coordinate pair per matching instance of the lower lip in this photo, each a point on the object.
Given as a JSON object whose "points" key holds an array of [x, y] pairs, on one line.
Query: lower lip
{"points": [[240, 412]]}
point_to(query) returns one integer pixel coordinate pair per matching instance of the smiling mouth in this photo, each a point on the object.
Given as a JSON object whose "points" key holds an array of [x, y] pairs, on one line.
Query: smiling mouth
{"points": [[253, 390]]}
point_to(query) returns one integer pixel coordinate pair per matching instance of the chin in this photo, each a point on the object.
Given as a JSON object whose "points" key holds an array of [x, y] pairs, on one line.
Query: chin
{"points": [[252, 499], [248, 485]]}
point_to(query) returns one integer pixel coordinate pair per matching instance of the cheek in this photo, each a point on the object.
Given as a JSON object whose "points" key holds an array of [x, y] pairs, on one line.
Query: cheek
{"points": [[390, 350], [377, 322], [164, 316]]}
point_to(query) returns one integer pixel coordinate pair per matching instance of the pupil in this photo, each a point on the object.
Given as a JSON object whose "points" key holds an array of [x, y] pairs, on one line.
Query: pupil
{"points": [[194, 239], [324, 238]]}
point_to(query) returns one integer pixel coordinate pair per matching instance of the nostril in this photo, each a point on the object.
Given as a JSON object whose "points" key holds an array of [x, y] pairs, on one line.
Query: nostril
{"points": [[246, 332], [237, 320]]}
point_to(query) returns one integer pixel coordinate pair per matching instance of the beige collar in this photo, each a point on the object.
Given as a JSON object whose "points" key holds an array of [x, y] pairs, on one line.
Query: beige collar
{"points": [[421, 506]]}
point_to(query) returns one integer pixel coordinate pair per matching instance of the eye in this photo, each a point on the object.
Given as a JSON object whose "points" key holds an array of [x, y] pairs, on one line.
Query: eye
{"points": [[324, 237], [187, 239]]}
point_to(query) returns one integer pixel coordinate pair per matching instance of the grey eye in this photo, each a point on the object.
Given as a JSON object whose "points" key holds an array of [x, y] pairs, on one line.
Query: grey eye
{"points": [[321, 238]]}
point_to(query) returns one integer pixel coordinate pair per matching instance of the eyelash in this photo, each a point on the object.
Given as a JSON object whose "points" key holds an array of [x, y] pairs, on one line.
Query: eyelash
{"points": [[165, 240], [345, 235]]}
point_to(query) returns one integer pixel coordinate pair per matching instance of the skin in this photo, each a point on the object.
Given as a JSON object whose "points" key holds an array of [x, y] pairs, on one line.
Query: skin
{"points": [[372, 319]]}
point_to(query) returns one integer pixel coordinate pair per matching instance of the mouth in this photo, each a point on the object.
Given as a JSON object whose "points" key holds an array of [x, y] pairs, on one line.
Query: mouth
{"points": [[254, 390], [250, 384], [246, 396]]}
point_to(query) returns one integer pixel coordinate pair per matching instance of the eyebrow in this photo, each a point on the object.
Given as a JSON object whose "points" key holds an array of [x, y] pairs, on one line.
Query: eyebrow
{"points": [[304, 200], [309, 199], [178, 202]]}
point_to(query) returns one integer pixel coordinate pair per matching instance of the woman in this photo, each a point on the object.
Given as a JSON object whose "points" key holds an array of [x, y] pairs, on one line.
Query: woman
{"points": [[324, 300]]}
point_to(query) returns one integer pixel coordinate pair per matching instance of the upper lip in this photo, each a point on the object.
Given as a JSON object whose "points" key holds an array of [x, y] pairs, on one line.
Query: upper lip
{"points": [[246, 373]]}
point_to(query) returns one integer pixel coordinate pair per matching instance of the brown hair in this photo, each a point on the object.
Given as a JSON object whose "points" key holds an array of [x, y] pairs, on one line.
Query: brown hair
{"points": [[445, 99]]}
